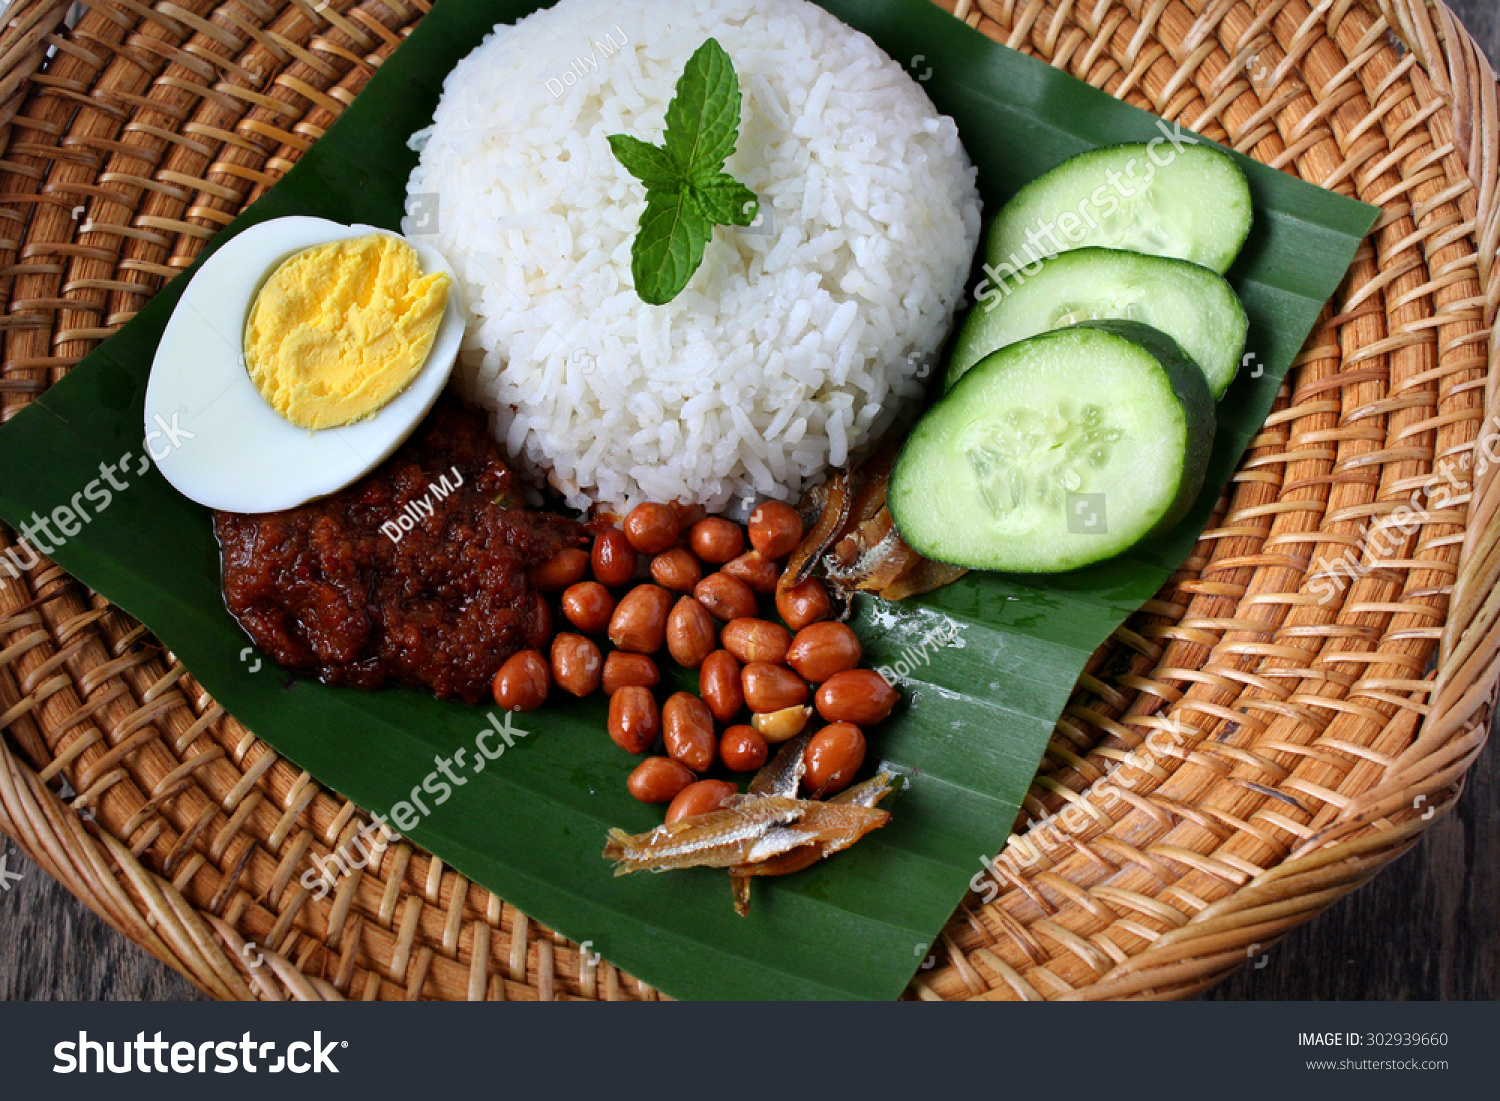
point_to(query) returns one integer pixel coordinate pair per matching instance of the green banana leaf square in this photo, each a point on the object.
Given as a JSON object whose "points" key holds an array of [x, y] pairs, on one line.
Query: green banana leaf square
{"points": [[985, 665]]}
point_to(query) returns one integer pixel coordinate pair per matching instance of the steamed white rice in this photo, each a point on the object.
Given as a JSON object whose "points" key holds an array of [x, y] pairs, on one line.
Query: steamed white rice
{"points": [[792, 345]]}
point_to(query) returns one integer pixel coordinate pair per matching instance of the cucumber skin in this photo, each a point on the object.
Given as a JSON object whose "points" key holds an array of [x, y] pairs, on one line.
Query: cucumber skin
{"points": [[1197, 401], [996, 252], [956, 368], [1188, 386]]}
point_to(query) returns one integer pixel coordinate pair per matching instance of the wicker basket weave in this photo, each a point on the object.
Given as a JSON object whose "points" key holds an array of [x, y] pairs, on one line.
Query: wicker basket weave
{"points": [[1314, 739]]}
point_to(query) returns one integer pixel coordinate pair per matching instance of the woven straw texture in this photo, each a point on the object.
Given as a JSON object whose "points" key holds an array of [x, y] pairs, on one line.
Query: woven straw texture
{"points": [[1235, 759]]}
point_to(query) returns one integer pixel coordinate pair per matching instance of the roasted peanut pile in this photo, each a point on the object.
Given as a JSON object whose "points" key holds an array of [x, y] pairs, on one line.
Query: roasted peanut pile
{"points": [[703, 607]]}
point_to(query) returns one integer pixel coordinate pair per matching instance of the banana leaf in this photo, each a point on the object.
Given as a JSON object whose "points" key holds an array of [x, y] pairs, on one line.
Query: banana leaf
{"points": [[986, 664]]}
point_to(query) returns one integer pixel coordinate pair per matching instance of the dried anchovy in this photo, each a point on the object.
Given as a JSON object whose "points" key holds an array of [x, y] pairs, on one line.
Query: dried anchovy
{"points": [[834, 825], [832, 499], [763, 832], [853, 542], [784, 772], [777, 841], [741, 895], [827, 828], [873, 556], [718, 839], [922, 577], [870, 792]]}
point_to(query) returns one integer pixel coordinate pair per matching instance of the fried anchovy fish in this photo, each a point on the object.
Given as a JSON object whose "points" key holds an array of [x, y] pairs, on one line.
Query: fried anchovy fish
{"points": [[767, 831], [719, 839], [870, 792], [825, 829], [851, 540], [819, 833], [784, 772]]}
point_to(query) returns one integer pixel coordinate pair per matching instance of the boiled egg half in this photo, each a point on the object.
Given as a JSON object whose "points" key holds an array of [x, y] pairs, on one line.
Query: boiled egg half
{"points": [[234, 450]]}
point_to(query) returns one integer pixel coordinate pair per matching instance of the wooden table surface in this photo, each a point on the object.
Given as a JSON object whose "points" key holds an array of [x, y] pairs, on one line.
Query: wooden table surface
{"points": [[1426, 928]]}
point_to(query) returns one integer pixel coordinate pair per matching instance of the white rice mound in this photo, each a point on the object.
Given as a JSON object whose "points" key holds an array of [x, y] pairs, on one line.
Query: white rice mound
{"points": [[790, 347]]}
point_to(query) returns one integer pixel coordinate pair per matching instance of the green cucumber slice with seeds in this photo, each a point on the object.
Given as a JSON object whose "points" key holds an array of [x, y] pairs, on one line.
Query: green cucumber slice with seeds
{"points": [[1057, 452], [1192, 304], [1191, 203]]}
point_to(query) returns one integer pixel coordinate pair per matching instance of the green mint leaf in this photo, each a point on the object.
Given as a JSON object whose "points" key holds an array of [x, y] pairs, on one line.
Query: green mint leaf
{"points": [[650, 164], [703, 119], [669, 246], [724, 200], [687, 191]]}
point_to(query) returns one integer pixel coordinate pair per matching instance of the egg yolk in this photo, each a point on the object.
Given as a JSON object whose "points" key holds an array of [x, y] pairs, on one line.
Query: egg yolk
{"points": [[339, 330]]}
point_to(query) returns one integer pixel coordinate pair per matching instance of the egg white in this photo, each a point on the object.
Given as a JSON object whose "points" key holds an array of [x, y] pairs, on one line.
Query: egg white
{"points": [[235, 451]]}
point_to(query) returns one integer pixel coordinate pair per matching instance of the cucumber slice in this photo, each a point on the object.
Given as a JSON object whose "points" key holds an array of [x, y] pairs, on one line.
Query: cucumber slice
{"points": [[1194, 306], [1191, 203], [1056, 452]]}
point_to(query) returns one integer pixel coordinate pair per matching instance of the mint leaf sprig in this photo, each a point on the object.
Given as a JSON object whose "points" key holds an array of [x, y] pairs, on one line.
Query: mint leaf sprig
{"points": [[687, 190]]}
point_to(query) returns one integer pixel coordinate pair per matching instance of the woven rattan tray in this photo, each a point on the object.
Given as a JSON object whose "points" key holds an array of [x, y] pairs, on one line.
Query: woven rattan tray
{"points": [[1313, 739]]}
